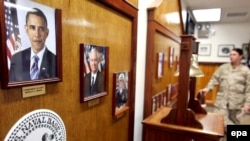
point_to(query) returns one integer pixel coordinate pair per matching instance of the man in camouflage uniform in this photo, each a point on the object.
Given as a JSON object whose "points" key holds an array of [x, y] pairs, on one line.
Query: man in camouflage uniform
{"points": [[234, 88]]}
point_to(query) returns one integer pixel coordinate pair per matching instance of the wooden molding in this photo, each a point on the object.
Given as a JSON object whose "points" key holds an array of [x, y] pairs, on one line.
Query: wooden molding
{"points": [[131, 12], [153, 28]]}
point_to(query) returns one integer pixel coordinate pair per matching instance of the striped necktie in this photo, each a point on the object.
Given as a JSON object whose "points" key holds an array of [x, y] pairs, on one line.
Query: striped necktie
{"points": [[34, 68]]}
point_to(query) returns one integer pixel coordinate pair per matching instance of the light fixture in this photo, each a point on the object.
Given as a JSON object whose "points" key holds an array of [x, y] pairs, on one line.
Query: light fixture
{"points": [[199, 26], [207, 15], [194, 70]]}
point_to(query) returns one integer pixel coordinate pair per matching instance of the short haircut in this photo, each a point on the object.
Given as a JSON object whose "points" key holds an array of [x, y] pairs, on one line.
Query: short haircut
{"points": [[238, 50], [37, 12], [94, 51]]}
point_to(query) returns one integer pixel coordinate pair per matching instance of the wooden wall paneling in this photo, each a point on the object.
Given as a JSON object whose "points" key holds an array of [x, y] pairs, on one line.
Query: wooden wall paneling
{"points": [[167, 14], [83, 22], [133, 3], [163, 44], [182, 12], [208, 69], [132, 13], [154, 29]]}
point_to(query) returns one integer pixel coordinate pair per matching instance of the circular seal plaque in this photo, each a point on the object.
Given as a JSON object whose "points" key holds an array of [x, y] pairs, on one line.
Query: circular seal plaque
{"points": [[38, 125]]}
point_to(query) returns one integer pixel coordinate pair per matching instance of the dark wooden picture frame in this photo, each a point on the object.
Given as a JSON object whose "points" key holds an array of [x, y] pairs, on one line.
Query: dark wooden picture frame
{"points": [[204, 50], [121, 93], [246, 53], [160, 65], [97, 87], [16, 64]]}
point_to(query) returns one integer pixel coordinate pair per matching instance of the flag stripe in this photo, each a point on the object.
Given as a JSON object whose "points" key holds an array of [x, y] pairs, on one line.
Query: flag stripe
{"points": [[12, 29]]}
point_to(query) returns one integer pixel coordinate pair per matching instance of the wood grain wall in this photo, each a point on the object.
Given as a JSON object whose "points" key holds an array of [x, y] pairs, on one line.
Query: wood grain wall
{"points": [[161, 35], [208, 69], [85, 21]]}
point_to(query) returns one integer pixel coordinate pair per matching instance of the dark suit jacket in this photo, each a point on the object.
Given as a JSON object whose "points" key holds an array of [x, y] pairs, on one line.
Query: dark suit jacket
{"points": [[121, 97], [98, 86], [20, 66]]}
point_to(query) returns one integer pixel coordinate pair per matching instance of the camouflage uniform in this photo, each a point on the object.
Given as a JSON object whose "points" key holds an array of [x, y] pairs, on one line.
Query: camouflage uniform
{"points": [[234, 90]]}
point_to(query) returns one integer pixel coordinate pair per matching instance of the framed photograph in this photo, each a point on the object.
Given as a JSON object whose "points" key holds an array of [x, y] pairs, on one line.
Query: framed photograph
{"points": [[171, 56], [177, 65], [154, 103], [26, 58], [204, 49], [160, 67], [224, 50], [120, 92], [246, 53], [168, 94], [164, 95], [93, 71]]}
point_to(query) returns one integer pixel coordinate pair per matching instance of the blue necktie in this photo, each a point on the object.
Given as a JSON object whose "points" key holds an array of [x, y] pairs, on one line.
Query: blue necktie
{"points": [[34, 68]]}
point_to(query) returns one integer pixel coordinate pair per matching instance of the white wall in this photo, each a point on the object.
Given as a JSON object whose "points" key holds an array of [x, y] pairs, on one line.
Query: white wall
{"points": [[233, 33], [225, 33], [140, 67]]}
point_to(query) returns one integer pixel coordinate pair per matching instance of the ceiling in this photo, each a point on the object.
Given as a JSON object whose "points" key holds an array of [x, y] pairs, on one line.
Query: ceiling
{"points": [[232, 10]]}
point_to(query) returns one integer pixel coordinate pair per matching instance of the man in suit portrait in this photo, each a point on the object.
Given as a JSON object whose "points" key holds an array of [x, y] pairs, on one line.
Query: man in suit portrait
{"points": [[94, 80], [35, 62]]}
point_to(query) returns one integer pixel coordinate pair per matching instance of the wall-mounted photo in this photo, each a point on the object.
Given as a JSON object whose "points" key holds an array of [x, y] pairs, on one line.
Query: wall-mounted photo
{"points": [[160, 67], [159, 100], [120, 92], [31, 43], [171, 56], [177, 66], [204, 49], [224, 50], [93, 71], [246, 53], [154, 103]]}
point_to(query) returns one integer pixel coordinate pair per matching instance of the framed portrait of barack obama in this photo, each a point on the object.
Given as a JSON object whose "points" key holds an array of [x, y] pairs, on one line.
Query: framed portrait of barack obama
{"points": [[93, 71], [30, 43]]}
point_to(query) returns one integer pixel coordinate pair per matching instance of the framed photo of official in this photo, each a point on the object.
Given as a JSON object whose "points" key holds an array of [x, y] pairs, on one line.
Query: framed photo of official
{"points": [[204, 50], [93, 71], [30, 51], [160, 66], [120, 92], [224, 50], [171, 57]]}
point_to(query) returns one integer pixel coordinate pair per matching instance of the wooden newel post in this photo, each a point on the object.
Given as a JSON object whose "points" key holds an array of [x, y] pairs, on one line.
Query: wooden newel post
{"points": [[182, 115]]}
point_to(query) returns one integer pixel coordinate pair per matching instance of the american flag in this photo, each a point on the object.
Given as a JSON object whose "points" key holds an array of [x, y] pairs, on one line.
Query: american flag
{"points": [[13, 40]]}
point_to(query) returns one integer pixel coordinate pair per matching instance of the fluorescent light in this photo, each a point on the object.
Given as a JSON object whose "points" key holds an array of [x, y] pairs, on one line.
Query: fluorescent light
{"points": [[207, 15]]}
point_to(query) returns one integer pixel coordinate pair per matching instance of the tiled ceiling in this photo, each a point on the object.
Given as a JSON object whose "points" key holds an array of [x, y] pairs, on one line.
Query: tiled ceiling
{"points": [[232, 10]]}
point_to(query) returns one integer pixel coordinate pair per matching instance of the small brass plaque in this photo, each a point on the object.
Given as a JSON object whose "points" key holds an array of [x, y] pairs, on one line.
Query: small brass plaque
{"points": [[33, 90], [93, 102]]}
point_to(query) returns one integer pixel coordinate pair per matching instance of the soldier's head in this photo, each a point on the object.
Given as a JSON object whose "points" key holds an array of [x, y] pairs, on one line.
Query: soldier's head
{"points": [[236, 54]]}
